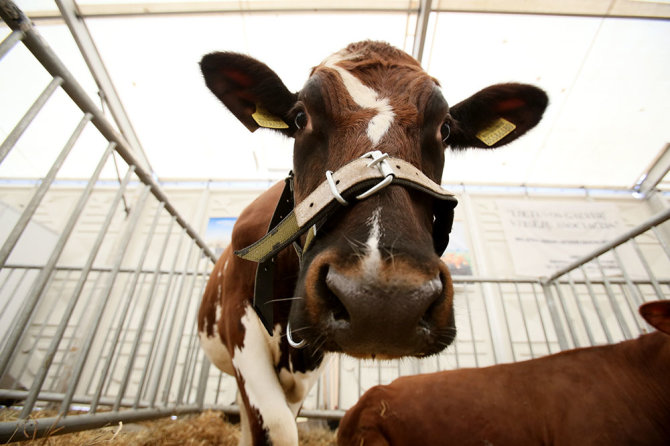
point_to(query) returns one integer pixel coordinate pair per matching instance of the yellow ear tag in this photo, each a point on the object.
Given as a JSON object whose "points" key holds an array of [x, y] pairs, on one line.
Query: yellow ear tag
{"points": [[265, 119], [500, 128]]}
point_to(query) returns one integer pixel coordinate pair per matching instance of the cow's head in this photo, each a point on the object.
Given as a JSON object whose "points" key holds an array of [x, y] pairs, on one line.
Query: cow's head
{"points": [[372, 282]]}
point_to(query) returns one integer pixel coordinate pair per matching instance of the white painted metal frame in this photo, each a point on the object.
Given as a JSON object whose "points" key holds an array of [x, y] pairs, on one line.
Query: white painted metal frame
{"points": [[56, 338], [146, 362]]}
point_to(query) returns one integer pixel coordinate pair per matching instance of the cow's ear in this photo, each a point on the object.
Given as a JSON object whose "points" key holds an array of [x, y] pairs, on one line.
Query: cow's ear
{"points": [[250, 90], [657, 313], [496, 115]]}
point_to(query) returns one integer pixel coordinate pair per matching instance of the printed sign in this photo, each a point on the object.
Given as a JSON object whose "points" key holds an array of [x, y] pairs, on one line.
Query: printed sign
{"points": [[547, 236]]}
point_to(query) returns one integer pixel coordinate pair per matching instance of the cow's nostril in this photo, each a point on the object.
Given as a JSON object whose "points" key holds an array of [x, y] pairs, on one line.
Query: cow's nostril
{"points": [[332, 302]]}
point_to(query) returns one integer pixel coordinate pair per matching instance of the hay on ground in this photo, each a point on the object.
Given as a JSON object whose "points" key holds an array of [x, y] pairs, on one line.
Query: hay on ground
{"points": [[204, 429]]}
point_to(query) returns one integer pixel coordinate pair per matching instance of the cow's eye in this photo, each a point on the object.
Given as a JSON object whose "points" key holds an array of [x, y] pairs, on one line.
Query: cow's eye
{"points": [[445, 131], [300, 120]]}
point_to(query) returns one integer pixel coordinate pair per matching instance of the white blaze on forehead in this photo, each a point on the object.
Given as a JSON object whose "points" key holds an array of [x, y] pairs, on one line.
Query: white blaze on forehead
{"points": [[365, 97], [372, 261]]}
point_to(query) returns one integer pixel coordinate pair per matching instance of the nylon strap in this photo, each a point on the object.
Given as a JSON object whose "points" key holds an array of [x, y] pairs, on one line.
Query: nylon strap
{"points": [[265, 272], [350, 180]]}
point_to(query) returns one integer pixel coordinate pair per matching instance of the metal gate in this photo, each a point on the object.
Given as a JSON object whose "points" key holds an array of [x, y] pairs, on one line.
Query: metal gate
{"points": [[99, 294], [97, 305]]}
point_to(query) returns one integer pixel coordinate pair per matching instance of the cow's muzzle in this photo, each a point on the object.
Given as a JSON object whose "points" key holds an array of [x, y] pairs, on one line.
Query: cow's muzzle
{"points": [[397, 312]]}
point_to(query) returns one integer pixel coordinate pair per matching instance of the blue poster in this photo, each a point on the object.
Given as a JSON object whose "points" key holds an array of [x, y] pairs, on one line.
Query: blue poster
{"points": [[218, 233]]}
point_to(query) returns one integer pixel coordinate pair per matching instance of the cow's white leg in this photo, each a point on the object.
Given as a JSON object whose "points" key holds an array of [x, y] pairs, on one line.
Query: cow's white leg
{"points": [[254, 362], [297, 385], [245, 432]]}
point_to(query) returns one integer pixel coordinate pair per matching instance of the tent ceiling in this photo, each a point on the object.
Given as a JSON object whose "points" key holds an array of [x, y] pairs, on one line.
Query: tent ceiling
{"points": [[607, 78]]}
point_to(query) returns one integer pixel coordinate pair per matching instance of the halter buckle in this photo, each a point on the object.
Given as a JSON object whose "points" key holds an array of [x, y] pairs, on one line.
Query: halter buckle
{"points": [[378, 160]]}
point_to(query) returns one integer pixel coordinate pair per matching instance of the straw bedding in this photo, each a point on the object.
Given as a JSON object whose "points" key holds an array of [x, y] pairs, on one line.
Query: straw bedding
{"points": [[205, 429]]}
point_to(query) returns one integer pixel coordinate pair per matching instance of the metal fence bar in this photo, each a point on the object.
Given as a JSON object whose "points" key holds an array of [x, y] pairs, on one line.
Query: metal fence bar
{"points": [[157, 330], [80, 325], [555, 318], [539, 314], [145, 311], [28, 117], [104, 298], [65, 318], [494, 350], [41, 427], [180, 329], [629, 283], [35, 201], [168, 331], [189, 361], [12, 294], [647, 268], [17, 20], [124, 313], [523, 319], [504, 311], [35, 347], [596, 305], [194, 330], [613, 302], [568, 319], [45, 273], [8, 42], [472, 333], [661, 241], [120, 320]]}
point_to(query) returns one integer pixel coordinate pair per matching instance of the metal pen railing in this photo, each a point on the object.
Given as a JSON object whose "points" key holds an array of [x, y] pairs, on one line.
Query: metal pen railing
{"points": [[85, 333], [108, 325]]}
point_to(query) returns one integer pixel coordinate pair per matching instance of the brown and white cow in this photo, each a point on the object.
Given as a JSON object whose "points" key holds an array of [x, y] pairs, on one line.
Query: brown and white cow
{"points": [[371, 283], [610, 395]]}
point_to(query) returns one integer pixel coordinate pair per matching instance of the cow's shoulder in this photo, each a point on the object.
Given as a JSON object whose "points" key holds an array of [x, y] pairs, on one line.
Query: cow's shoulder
{"points": [[253, 222]]}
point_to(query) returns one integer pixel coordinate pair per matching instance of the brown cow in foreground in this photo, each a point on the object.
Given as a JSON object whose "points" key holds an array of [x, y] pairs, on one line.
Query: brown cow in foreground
{"points": [[610, 395], [370, 283]]}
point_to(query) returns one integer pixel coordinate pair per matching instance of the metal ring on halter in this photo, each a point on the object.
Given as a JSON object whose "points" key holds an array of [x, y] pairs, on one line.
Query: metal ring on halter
{"points": [[378, 161], [333, 188], [290, 340]]}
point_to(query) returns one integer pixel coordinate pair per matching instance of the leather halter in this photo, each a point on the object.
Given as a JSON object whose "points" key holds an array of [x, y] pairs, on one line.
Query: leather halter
{"points": [[356, 180]]}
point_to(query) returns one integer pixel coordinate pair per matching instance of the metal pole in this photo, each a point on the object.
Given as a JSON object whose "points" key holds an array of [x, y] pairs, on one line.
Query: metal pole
{"points": [[647, 268], [75, 22], [16, 20], [555, 318], [539, 313], [133, 354], [523, 319], [504, 311], [98, 311], [25, 121], [569, 321], [154, 284], [615, 305], [596, 305], [37, 197], [631, 286], [585, 323], [179, 331], [168, 330], [124, 313], [472, 332], [39, 285], [42, 427], [9, 42]]}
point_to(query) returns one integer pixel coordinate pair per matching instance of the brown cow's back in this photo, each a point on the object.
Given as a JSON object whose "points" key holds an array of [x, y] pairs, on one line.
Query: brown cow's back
{"points": [[618, 394]]}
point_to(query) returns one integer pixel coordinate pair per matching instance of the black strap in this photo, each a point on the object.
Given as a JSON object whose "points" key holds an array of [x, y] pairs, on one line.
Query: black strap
{"points": [[264, 283]]}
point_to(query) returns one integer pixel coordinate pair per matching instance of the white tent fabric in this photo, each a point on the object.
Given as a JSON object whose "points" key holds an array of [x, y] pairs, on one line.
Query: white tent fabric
{"points": [[607, 79]]}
